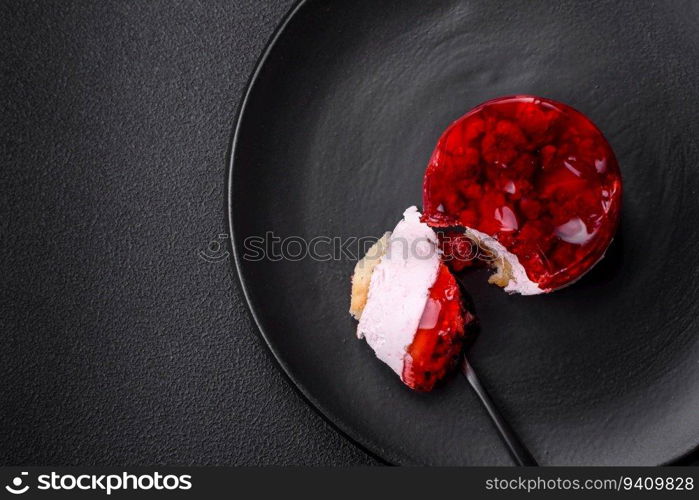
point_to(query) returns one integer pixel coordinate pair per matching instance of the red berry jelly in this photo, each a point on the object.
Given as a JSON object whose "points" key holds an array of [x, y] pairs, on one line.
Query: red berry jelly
{"points": [[438, 342], [536, 175]]}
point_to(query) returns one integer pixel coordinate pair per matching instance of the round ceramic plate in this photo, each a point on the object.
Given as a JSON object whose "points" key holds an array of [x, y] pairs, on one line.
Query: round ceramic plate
{"points": [[332, 141]]}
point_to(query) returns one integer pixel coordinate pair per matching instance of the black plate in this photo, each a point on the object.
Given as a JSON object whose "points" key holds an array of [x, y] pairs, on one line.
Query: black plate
{"points": [[333, 137]]}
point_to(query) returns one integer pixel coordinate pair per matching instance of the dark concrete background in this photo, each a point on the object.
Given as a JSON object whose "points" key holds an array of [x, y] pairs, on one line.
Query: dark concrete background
{"points": [[121, 344]]}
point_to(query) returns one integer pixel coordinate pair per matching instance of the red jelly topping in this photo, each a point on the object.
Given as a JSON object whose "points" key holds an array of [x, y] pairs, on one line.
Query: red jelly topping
{"points": [[536, 175], [439, 340], [458, 251]]}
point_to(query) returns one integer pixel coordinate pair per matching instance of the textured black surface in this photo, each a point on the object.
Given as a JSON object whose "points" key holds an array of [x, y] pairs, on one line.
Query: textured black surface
{"points": [[120, 344], [334, 140]]}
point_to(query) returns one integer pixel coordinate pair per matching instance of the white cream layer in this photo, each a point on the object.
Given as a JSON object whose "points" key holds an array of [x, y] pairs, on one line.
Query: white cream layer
{"points": [[399, 289], [519, 282]]}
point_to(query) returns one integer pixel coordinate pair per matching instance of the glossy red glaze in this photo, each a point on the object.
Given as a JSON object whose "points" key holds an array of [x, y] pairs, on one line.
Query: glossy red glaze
{"points": [[459, 251], [533, 173], [435, 350]]}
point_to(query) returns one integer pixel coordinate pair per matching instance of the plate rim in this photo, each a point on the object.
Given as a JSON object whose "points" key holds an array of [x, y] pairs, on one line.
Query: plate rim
{"points": [[307, 398], [335, 423]]}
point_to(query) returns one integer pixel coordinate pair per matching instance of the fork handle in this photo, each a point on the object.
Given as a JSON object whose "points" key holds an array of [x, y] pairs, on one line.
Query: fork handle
{"points": [[519, 452]]}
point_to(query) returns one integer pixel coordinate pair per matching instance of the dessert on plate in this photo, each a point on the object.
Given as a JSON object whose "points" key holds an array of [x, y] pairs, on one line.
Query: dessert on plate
{"points": [[408, 304], [533, 183], [526, 185]]}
